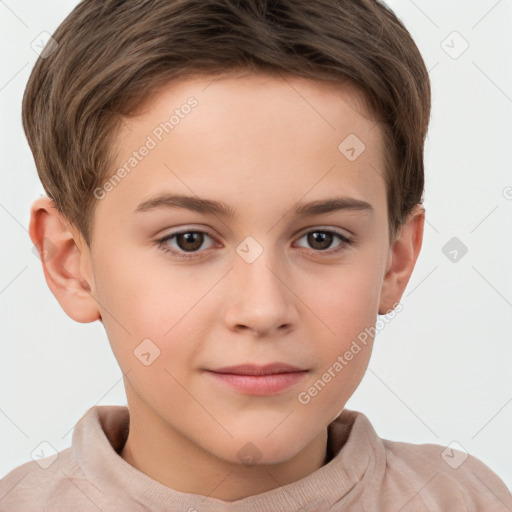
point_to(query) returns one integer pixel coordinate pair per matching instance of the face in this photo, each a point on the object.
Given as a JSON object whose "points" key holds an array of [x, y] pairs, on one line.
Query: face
{"points": [[253, 276]]}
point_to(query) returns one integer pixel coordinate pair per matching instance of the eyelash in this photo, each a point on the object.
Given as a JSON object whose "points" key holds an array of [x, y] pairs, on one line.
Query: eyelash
{"points": [[162, 243]]}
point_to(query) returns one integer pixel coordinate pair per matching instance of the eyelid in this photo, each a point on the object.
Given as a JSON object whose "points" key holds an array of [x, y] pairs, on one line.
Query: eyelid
{"points": [[300, 234], [345, 241], [161, 242], [343, 233], [187, 229]]}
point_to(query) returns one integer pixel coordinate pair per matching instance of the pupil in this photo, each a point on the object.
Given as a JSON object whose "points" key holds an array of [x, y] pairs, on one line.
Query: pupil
{"points": [[322, 237], [189, 239]]}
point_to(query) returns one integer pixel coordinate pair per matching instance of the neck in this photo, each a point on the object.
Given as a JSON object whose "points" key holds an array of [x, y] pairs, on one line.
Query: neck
{"points": [[165, 455]]}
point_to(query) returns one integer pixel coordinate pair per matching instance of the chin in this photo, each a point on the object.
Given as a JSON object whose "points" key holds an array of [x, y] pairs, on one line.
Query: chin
{"points": [[257, 449]]}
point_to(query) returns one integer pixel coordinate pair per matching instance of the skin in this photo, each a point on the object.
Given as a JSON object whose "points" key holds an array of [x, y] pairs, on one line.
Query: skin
{"points": [[259, 143]]}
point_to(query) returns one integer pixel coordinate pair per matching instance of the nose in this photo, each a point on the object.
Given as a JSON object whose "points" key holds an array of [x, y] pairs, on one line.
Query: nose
{"points": [[260, 297]]}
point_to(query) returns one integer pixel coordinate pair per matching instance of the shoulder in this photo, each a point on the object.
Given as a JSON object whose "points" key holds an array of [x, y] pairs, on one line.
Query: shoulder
{"points": [[444, 476], [57, 484], [82, 477], [51, 483], [419, 477], [33, 481]]}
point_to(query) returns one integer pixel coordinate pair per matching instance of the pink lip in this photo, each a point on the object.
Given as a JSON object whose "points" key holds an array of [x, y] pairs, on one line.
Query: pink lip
{"points": [[254, 369], [259, 380]]}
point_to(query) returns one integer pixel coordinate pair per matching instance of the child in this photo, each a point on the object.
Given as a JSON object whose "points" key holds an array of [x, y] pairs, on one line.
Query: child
{"points": [[262, 129]]}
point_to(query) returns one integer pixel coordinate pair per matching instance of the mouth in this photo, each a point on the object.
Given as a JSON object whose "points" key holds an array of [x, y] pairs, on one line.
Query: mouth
{"points": [[252, 379]]}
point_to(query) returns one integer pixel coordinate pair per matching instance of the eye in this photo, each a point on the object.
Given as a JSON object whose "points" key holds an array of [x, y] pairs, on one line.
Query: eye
{"points": [[188, 241], [321, 240]]}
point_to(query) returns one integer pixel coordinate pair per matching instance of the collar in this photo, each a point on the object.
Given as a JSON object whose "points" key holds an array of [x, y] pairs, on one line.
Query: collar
{"points": [[355, 454]]}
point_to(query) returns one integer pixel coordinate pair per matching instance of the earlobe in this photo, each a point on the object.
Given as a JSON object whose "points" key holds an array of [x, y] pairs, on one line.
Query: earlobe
{"points": [[62, 258], [401, 260]]}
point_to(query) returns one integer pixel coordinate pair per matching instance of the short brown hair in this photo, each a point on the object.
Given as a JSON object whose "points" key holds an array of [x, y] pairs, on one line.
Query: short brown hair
{"points": [[111, 55]]}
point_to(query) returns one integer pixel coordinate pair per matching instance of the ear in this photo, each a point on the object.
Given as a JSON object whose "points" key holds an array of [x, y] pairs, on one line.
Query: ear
{"points": [[64, 255], [402, 257]]}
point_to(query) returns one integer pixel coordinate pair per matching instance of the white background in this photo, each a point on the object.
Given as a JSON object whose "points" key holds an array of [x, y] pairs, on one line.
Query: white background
{"points": [[440, 371]]}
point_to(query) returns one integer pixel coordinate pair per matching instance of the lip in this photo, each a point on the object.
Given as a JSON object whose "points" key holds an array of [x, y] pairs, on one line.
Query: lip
{"points": [[252, 379], [254, 369]]}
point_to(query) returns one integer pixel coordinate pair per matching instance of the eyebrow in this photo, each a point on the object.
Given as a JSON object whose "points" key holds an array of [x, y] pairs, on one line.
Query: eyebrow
{"points": [[209, 206]]}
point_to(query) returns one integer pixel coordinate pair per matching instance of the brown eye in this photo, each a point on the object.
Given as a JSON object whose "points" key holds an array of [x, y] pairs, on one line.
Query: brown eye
{"points": [[320, 240], [185, 244], [190, 241]]}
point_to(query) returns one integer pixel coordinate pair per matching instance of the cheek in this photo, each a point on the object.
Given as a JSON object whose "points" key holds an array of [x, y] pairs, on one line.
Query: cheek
{"points": [[137, 290], [344, 351], [141, 300], [347, 300], [347, 307], [130, 303]]}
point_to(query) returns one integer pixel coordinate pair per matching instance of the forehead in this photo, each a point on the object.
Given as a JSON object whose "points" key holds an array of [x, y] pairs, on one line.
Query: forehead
{"points": [[251, 137], [259, 103]]}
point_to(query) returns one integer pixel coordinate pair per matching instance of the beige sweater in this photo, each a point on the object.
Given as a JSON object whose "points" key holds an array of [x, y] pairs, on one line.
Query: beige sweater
{"points": [[366, 473]]}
